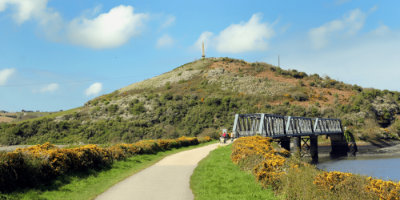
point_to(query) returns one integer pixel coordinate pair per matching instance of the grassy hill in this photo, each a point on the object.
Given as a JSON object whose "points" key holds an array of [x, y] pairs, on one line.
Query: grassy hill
{"points": [[20, 116], [201, 97]]}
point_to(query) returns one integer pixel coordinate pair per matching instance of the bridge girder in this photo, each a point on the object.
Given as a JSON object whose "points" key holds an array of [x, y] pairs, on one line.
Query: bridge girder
{"points": [[277, 126]]}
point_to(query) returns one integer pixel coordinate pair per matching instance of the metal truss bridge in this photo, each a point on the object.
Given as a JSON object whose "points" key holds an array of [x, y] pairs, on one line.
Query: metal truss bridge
{"points": [[303, 130], [276, 126]]}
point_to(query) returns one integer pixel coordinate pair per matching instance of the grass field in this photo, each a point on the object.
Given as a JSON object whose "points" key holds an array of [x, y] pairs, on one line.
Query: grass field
{"points": [[88, 185], [216, 177]]}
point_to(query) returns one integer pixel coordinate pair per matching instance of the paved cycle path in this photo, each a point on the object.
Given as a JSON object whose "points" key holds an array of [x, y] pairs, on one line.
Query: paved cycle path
{"points": [[168, 179]]}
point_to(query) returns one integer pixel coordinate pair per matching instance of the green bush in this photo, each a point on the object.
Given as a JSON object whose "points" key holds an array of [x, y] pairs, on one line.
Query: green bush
{"points": [[112, 109], [138, 108], [299, 96]]}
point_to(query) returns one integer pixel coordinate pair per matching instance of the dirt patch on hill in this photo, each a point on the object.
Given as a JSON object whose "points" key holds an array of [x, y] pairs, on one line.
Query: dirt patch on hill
{"points": [[6, 119], [235, 67], [323, 96], [271, 75]]}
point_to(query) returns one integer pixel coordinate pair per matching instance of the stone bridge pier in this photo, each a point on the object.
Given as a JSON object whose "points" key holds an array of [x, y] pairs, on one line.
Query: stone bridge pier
{"points": [[307, 146], [339, 146]]}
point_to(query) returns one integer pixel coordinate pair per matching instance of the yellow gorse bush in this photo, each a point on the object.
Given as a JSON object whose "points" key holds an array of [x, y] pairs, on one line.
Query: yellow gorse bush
{"points": [[43, 162], [270, 169], [385, 190], [332, 180], [58, 161], [247, 146]]}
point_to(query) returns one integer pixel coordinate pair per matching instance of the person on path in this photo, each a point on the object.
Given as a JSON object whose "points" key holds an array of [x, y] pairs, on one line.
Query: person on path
{"points": [[231, 136], [224, 135]]}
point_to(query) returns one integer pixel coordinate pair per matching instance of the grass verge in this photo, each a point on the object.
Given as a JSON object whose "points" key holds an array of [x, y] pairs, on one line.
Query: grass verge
{"points": [[216, 177], [92, 183]]}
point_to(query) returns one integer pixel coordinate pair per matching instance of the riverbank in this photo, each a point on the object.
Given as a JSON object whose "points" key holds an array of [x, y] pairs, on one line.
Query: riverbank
{"points": [[384, 149], [292, 178], [378, 161]]}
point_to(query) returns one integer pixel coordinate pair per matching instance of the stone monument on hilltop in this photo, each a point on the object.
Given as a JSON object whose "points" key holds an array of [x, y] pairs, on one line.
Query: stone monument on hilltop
{"points": [[203, 55]]}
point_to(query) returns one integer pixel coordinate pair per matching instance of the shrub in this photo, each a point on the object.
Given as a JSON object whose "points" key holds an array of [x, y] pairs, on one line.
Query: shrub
{"points": [[384, 189], [295, 179], [300, 96], [112, 109], [167, 97], [210, 133], [332, 180], [27, 167], [138, 108], [168, 85], [267, 163]]}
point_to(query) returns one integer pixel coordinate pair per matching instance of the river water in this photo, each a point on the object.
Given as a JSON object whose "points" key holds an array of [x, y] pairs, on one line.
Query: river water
{"points": [[383, 168]]}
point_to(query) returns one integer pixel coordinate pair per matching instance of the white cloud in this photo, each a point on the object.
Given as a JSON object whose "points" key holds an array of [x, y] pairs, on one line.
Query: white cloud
{"points": [[169, 21], [108, 30], [249, 36], [369, 60], [5, 74], [50, 88], [349, 25], [252, 35], [381, 30], [94, 89], [23, 10], [165, 41]]}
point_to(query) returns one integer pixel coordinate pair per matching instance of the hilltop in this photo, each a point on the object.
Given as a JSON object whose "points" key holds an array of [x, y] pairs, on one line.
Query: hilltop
{"points": [[201, 97]]}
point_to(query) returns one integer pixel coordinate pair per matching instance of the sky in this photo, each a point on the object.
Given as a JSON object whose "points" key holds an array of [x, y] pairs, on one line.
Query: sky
{"points": [[57, 55]]}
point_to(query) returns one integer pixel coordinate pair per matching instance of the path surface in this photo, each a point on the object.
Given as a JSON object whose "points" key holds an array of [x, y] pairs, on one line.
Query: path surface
{"points": [[169, 179]]}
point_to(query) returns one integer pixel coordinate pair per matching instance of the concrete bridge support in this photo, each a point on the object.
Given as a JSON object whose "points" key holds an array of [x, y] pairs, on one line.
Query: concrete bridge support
{"points": [[314, 149], [285, 143], [297, 146], [306, 146], [339, 146]]}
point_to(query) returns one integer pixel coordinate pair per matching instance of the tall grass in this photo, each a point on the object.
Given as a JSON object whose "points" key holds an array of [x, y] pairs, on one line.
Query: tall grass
{"points": [[299, 183]]}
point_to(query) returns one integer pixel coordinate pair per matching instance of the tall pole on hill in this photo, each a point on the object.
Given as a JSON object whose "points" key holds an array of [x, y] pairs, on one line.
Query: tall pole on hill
{"points": [[279, 61], [203, 55]]}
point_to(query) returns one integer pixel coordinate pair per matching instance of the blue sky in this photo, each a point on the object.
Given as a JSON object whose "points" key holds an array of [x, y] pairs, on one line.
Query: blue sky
{"points": [[59, 54]]}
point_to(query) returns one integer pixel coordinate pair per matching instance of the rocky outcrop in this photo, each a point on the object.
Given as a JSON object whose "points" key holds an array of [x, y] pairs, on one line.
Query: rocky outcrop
{"points": [[385, 109]]}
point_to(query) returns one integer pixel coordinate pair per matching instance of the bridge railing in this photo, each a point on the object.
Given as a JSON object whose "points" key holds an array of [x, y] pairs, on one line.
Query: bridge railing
{"points": [[323, 126], [276, 126], [297, 126]]}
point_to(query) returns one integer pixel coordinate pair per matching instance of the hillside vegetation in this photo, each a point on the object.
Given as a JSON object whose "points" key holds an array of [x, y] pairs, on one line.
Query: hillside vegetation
{"points": [[20, 116], [201, 97]]}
